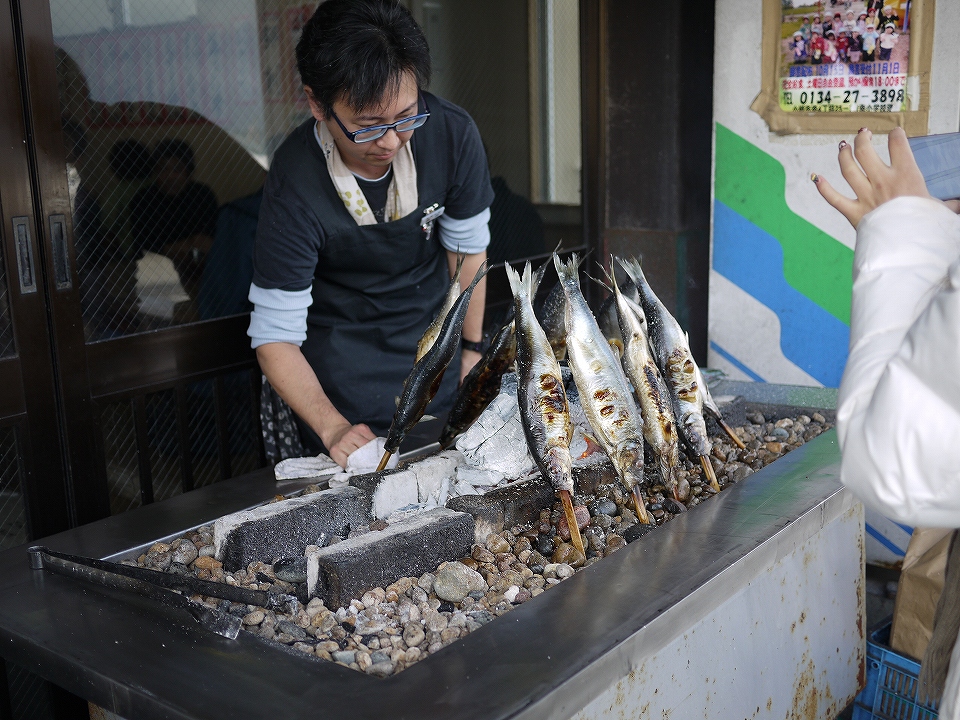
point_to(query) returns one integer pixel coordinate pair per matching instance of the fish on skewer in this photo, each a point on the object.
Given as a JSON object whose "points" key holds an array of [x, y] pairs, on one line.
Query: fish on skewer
{"points": [[711, 407], [544, 411], [551, 317], [604, 391], [424, 379], [608, 315], [453, 292], [482, 383], [659, 424], [672, 353]]}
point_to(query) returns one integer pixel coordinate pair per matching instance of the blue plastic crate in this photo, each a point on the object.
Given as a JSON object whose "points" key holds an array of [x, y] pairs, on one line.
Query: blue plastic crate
{"points": [[891, 690]]}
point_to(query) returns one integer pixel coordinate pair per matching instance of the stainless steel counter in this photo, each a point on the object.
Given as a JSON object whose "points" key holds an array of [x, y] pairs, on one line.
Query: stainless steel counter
{"points": [[788, 530]]}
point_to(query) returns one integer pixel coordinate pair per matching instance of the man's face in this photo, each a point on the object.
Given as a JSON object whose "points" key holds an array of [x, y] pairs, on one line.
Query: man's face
{"points": [[172, 176], [371, 159]]}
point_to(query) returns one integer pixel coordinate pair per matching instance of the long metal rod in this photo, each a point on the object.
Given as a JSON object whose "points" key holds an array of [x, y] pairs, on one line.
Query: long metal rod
{"points": [[184, 583], [213, 620]]}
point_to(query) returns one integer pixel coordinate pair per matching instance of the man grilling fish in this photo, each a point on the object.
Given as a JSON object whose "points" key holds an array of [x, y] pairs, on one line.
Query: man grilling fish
{"points": [[365, 209]]}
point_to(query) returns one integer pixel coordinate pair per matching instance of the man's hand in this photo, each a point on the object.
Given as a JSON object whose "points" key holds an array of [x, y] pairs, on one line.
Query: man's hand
{"points": [[873, 181], [468, 359], [342, 439]]}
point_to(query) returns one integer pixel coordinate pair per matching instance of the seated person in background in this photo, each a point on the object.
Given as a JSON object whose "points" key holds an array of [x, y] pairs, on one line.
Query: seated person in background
{"points": [[898, 414], [516, 230], [130, 164], [228, 271], [175, 216]]}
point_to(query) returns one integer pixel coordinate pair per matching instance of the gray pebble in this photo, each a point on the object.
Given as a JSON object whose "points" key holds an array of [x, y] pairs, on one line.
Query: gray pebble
{"points": [[381, 669], [345, 656], [292, 629], [413, 634], [607, 507], [183, 551]]}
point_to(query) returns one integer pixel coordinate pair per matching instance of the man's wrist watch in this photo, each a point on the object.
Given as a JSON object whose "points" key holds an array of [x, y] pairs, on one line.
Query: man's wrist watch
{"points": [[470, 345]]}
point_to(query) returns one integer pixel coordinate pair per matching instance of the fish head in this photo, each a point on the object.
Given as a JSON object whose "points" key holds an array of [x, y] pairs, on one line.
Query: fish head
{"points": [[559, 467], [695, 432], [629, 462]]}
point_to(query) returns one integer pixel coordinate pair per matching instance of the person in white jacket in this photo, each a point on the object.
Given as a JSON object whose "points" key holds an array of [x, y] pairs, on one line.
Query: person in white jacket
{"points": [[898, 416]]}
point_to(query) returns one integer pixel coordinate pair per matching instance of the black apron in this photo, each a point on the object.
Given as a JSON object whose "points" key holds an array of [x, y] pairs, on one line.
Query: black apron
{"points": [[375, 291]]}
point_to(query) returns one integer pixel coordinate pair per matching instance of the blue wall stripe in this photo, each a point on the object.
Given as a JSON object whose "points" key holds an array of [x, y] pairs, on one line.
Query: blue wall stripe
{"points": [[752, 259], [906, 528], [732, 360], [884, 540]]}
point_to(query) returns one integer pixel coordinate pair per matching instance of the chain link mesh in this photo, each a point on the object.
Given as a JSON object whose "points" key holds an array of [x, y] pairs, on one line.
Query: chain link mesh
{"points": [[6, 328], [13, 519], [169, 116]]}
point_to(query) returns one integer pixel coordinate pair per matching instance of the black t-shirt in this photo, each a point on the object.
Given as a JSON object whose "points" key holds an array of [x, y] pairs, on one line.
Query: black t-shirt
{"points": [[290, 234], [158, 219], [375, 192]]}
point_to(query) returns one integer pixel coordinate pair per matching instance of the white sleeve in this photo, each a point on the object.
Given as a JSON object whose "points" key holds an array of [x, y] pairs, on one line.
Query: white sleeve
{"points": [[469, 236], [898, 417], [278, 315]]}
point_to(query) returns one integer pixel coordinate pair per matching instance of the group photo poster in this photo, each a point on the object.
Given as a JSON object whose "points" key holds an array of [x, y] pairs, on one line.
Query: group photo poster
{"points": [[844, 55]]}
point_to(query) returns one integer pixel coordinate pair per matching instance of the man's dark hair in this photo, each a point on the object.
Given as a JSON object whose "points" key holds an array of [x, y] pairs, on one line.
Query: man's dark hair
{"points": [[176, 149], [359, 50], [130, 160]]}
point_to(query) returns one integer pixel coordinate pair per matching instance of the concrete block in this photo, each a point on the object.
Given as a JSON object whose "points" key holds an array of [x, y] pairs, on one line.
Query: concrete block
{"points": [[517, 503], [388, 491], [284, 529], [410, 547]]}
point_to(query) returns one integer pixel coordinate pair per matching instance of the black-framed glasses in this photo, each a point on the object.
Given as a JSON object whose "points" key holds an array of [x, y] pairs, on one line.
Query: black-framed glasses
{"points": [[374, 132]]}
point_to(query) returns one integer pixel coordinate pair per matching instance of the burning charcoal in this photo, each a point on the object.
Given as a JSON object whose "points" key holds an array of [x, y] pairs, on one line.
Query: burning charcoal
{"points": [[496, 441]]}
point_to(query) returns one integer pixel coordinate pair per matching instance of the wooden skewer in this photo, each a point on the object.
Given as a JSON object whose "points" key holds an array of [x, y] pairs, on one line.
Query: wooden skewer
{"points": [[711, 475], [384, 460], [641, 507], [733, 436], [575, 536]]}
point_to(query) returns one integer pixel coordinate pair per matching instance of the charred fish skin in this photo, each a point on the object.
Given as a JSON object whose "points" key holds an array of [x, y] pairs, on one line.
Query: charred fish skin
{"points": [[424, 379], [482, 383], [542, 401], [551, 317], [604, 392], [431, 333], [608, 315], [659, 423], [672, 352]]}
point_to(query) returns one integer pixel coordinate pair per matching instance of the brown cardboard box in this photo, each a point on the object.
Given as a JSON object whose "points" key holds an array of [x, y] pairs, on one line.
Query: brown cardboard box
{"points": [[921, 582]]}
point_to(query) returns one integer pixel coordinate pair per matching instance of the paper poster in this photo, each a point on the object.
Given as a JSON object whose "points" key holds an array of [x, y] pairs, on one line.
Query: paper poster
{"points": [[844, 55]]}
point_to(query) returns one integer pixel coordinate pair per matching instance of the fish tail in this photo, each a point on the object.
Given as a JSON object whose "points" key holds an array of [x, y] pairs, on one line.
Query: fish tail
{"points": [[519, 286], [567, 271], [481, 271]]}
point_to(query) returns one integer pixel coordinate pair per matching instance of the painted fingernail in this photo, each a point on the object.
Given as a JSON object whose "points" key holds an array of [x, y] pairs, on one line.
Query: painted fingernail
{"points": [[861, 130], [843, 144], [815, 177]]}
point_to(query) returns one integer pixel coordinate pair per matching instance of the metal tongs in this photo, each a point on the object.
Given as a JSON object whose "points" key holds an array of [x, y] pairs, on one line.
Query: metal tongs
{"points": [[160, 586]]}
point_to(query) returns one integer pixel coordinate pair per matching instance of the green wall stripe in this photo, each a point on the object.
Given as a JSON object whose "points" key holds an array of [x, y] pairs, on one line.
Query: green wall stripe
{"points": [[753, 184]]}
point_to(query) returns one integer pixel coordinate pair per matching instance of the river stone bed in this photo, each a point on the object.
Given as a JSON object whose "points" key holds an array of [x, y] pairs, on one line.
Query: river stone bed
{"points": [[388, 629]]}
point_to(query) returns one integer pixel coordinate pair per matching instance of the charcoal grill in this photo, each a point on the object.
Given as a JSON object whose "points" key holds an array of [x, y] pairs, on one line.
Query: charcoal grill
{"points": [[749, 605]]}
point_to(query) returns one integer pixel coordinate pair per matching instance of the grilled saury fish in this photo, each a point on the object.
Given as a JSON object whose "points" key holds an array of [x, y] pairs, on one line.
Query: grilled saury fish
{"points": [[673, 356], [604, 392], [544, 412], [424, 380], [659, 425]]}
